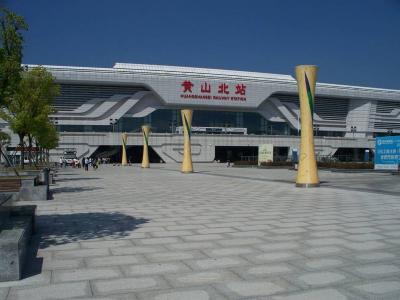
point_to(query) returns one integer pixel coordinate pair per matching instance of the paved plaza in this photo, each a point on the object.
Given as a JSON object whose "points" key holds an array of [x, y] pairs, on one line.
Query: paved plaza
{"points": [[219, 233]]}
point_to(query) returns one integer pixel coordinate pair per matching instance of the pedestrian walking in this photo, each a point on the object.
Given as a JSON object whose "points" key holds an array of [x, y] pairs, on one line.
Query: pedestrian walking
{"points": [[94, 164], [86, 164]]}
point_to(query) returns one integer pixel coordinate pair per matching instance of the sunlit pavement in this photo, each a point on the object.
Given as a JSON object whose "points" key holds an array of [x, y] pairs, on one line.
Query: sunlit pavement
{"points": [[219, 233]]}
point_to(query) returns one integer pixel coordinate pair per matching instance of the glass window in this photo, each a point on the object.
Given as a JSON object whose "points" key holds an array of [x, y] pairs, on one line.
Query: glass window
{"points": [[166, 121]]}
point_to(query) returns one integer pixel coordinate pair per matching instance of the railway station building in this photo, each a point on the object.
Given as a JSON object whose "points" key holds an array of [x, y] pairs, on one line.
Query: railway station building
{"points": [[234, 113]]}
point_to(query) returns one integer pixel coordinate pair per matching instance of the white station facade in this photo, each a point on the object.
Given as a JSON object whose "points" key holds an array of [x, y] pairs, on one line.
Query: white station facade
{"points": [[234, 112]]}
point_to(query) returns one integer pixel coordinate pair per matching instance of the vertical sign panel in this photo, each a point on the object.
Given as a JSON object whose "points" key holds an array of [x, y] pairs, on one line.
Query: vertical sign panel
{"points": [[387, 153], [265, 153]]}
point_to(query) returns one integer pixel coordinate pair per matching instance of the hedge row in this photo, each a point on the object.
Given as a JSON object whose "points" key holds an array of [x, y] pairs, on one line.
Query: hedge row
{"points": [[346, 165], [329, 165], [245, 163]]}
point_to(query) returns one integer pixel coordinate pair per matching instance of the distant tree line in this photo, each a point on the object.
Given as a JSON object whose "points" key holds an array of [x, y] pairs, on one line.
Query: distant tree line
{"points": [[26, 96]]}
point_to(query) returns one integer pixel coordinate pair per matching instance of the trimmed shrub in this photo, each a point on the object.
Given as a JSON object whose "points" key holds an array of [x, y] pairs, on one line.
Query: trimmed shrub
{"points": [[277, 164], [346, 165], [245, 163]]}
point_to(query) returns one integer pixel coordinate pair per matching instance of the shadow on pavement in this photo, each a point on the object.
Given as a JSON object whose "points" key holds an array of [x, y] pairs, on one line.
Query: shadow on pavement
{"points": [[74, 189], [33, 263], [78, 179], [68, 228], [69, 174], [53, 230]]}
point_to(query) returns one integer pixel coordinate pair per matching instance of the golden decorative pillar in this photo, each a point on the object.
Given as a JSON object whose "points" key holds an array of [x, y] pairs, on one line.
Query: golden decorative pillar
{"points": [[124, 138], [187, 165], [145, 158], [307, 174]]}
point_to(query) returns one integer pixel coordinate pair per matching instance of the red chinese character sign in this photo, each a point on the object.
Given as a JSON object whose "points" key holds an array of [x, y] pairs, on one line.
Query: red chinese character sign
{"points": [[187, 86], [240, 89], [223, 89], [206, 88], [213, 91]]}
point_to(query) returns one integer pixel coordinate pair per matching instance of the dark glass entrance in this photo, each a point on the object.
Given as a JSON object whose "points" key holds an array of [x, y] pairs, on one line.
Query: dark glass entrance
{"points": [[134, 154], [236, 153]]}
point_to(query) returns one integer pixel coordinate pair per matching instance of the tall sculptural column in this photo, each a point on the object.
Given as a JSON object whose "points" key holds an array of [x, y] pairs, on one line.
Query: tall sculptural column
{"points": [[145, 158], [187, 165], [124, 138], [307, 174]]}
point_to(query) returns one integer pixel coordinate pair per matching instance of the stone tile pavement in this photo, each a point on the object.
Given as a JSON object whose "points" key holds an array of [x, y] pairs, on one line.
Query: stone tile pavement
{"points": [[220, 233]]}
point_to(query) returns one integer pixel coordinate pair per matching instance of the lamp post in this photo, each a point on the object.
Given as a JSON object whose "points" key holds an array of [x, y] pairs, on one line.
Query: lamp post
{"points": [[298, 123], [173, 126], [353, 130], [113, 122], [54, 120], [316, 129]]}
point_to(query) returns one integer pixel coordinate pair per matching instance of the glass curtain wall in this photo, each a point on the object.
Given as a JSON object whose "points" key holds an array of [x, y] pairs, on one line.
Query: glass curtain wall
{"points": [[166, 121]]}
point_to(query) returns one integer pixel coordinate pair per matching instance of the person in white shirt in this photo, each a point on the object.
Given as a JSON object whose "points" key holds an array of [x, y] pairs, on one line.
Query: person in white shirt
{"points": [[86, 164]]}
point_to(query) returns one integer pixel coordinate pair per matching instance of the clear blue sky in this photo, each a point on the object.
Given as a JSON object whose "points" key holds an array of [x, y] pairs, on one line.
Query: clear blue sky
{"points": [[353, 41]]}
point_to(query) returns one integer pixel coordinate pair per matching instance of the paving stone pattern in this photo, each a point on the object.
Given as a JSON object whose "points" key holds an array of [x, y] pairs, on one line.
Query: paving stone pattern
{"points": [[220, 233]]}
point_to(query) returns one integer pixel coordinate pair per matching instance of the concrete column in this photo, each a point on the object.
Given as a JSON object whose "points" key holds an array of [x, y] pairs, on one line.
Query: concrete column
{"points": [[307, 175], [187, 165], [124, 138], [145, 158]]}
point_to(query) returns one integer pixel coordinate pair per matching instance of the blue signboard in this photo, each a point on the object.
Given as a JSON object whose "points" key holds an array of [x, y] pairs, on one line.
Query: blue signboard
{"points": [[387, 152]]}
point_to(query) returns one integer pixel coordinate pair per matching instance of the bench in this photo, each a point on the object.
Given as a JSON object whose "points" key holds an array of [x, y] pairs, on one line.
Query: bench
{"points": [[24, 188], [8, 185]]}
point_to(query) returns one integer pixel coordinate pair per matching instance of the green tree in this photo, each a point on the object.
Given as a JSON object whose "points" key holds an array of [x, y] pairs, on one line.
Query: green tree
{"points": [[31, 105], [39, 87], [11, 43], [5, 140], [44, 135], [46, 139]]}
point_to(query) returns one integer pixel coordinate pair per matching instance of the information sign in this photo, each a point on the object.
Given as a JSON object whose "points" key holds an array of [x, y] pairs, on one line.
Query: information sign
{"points": [[265, 153], [387, 153]]}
